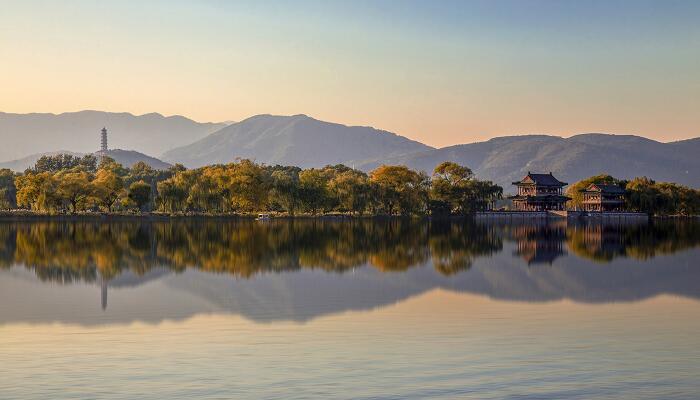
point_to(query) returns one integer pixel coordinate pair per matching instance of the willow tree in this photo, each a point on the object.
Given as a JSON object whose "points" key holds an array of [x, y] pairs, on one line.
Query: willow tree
{"points": [[74, 188], [400, 189], [108, 188]]}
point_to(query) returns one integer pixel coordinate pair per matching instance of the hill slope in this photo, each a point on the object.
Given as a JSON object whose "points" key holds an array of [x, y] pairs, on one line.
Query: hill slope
{"points": [[293, 140], [126, 158], [506, 159], [152, 133]]}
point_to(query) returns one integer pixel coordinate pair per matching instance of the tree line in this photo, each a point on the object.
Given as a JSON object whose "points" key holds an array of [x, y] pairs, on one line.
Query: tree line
{"points": [[645, 195], [68, 184]]}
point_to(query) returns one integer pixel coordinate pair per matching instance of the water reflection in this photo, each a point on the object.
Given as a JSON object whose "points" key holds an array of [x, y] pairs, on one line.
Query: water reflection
{"points": [[300, 269], [68, 251]]}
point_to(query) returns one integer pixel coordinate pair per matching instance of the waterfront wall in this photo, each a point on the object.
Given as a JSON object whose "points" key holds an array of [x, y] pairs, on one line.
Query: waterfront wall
{"points": [[523, 215]]}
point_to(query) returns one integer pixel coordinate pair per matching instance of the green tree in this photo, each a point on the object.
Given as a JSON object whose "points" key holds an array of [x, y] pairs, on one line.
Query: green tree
{"points": [[286, 189], [140, 194], [172, 195], [8, 191], [60, 162], [313, 189], [204, 194], [643, 196], [574, 191]]}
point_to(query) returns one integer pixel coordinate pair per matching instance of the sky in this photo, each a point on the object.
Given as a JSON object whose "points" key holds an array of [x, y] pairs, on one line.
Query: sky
{"points": [[441, 72]]}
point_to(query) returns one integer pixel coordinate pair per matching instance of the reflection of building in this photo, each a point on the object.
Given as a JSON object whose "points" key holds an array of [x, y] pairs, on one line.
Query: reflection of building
{"points": [[599, 242], [600, 197], [539, 192], [540, 244], [103, 287]]}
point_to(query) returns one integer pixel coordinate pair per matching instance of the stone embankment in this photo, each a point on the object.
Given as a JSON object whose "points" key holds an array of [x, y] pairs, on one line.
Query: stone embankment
{"points": [[524, 215]]}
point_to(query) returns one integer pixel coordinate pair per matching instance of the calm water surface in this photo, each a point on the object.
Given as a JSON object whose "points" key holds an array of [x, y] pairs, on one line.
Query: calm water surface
{"points": [[349, 309]]}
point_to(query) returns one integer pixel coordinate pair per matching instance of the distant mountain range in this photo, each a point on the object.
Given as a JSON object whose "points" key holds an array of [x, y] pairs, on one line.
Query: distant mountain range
{"points": [[306, 142], [23, 134], [507, 159], [294, 140], [124, 157]]}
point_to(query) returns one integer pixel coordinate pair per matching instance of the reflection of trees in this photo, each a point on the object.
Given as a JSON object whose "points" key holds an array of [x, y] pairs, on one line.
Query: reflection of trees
{"points": [[63, 251], [69, 251], [602, 242], [453, 247], [87, 251]]}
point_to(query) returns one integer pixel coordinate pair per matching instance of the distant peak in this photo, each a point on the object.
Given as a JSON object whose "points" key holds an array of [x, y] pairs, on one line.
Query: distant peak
{"points": [[155, 114]]}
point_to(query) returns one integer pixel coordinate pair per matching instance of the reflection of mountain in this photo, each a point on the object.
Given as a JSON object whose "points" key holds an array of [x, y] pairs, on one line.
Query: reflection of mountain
{"points": [[280, 271]]}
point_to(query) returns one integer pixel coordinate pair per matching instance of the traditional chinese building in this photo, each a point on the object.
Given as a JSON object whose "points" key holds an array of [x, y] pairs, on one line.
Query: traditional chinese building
{"points": [[602, 197], [540, 192]]}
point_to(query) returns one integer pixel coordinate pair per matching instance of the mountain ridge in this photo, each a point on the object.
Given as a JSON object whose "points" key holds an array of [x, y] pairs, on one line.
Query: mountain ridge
{"points": [[303, 141], [293, 140], [150, 133], [508, 158]]}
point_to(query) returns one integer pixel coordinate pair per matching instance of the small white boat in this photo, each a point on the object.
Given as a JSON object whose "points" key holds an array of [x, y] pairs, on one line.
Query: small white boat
{"points": [[263, 217]]}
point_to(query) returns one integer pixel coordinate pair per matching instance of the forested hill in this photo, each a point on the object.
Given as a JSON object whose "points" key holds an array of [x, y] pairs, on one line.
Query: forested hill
{"points": [[23, 134], [507, 159], [126, 158], [294, 140]]}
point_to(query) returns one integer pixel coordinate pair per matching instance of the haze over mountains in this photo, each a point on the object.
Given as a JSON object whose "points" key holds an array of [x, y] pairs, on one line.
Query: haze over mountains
{"points": [[123, 157], [507, 159], [306, 142], [297, 140], [25, 134]]}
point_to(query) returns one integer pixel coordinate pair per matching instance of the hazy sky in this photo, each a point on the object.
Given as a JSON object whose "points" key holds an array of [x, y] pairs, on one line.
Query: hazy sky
{"points": [[442, 72]]}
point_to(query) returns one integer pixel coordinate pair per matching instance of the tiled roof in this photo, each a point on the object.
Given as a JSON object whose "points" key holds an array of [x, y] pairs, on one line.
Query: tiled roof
{"points": [[543, 179], [605, 188]]}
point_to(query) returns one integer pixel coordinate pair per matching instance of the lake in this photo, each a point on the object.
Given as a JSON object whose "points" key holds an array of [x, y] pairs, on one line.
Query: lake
{"points": [[363, 309]]}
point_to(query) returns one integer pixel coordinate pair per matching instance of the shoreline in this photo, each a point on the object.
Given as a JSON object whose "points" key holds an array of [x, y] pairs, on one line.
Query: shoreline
{"points": [[489, 215]]}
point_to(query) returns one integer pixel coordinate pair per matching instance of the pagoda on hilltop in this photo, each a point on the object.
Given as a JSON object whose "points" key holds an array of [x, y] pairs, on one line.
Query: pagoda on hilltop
{"points": [[103, 144]]}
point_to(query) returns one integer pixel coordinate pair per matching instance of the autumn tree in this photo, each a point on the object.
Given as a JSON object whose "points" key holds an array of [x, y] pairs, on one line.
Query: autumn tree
{"points": [[73, 188], [351, 188], [37, 191], [248, 186], [400, 190], [450, 187], [108, 187]]}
